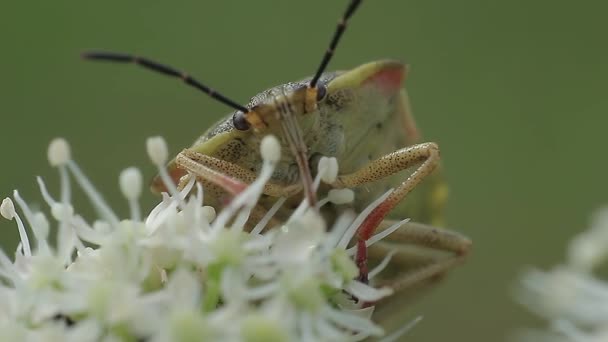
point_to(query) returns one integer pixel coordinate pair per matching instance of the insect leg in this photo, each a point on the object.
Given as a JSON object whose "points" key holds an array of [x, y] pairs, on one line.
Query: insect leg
{"points": [[216, 192], [424, 235], [422, 253], [411, 270], [426, 155], [231, 177]]}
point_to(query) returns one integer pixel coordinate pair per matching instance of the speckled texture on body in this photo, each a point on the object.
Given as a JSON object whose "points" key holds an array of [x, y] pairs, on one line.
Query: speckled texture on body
{"points": [[354, 124]]}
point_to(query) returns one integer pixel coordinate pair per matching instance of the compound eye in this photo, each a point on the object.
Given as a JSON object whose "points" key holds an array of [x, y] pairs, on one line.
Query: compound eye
{"points": [[321, 92], [239, 121]]}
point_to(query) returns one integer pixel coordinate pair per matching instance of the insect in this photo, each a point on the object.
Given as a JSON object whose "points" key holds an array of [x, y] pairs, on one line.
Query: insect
{"points": [[362, 117]]}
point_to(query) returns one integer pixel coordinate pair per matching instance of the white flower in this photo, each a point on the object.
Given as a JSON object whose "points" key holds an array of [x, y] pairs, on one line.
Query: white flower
{"points": [[182, 273], [570, 296]]}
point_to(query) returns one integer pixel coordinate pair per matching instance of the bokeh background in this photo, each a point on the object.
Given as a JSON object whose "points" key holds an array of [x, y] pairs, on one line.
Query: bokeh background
{"points": [[513, 91]]}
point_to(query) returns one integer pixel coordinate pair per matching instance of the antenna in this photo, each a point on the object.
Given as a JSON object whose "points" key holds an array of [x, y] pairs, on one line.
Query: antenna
{"points": [[334, 41], [163, 69]]}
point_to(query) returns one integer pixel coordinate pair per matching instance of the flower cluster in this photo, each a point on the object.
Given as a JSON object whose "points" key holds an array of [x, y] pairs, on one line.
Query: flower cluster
{"points": [[181, 273], [570, 296]]}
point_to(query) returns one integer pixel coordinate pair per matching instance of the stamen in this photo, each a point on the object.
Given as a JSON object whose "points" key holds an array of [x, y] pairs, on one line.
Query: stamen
{"points": [[157, 150], [24, 207], [379, 236], [386, 232], [79, 225], [353, 322], [304, 205], [270, 148], [337, 196], [7, 210], [341, 196], [94, 196], [397, 334], [158, 153], [59, 155], [321, 203], [130, 181], [317, 181], [381, 266], [96, 235], [198, 204], [40, 226], [37, 222], [366, 293], [64, 181], [58, 152], [209, 213], [330, 167], [62, 212], [325, 164], [271, 152], [264, 221], [355, 225], [242, 217], [338, 230], [45, 193], [200, 194], [246, 200]]}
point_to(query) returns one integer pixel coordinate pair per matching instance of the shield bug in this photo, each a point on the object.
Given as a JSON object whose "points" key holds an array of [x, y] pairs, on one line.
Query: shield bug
{"points": [[360, 116]]}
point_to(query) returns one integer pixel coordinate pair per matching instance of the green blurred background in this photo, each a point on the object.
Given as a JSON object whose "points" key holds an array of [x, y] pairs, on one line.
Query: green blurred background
{"points": [[513, 91]]}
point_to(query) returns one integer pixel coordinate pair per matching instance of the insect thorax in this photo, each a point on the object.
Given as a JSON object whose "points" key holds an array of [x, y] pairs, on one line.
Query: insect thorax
{"points": [[353, 124]]}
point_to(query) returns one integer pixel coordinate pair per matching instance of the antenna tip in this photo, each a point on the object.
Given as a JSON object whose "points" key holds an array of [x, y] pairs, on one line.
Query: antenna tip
{"points": [[107, 56]]}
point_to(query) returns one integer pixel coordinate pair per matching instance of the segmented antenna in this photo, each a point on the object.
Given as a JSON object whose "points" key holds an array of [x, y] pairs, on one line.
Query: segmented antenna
{"points": [[163, 69], [334, 41]]}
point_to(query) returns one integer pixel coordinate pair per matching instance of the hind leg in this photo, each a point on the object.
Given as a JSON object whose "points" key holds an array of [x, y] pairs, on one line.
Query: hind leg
{"points": [[421, 253]]}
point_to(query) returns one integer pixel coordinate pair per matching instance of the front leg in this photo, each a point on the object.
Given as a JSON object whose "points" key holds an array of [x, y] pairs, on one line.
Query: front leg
{"points": [[229, 176], [426, 155], [219, 175]]}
